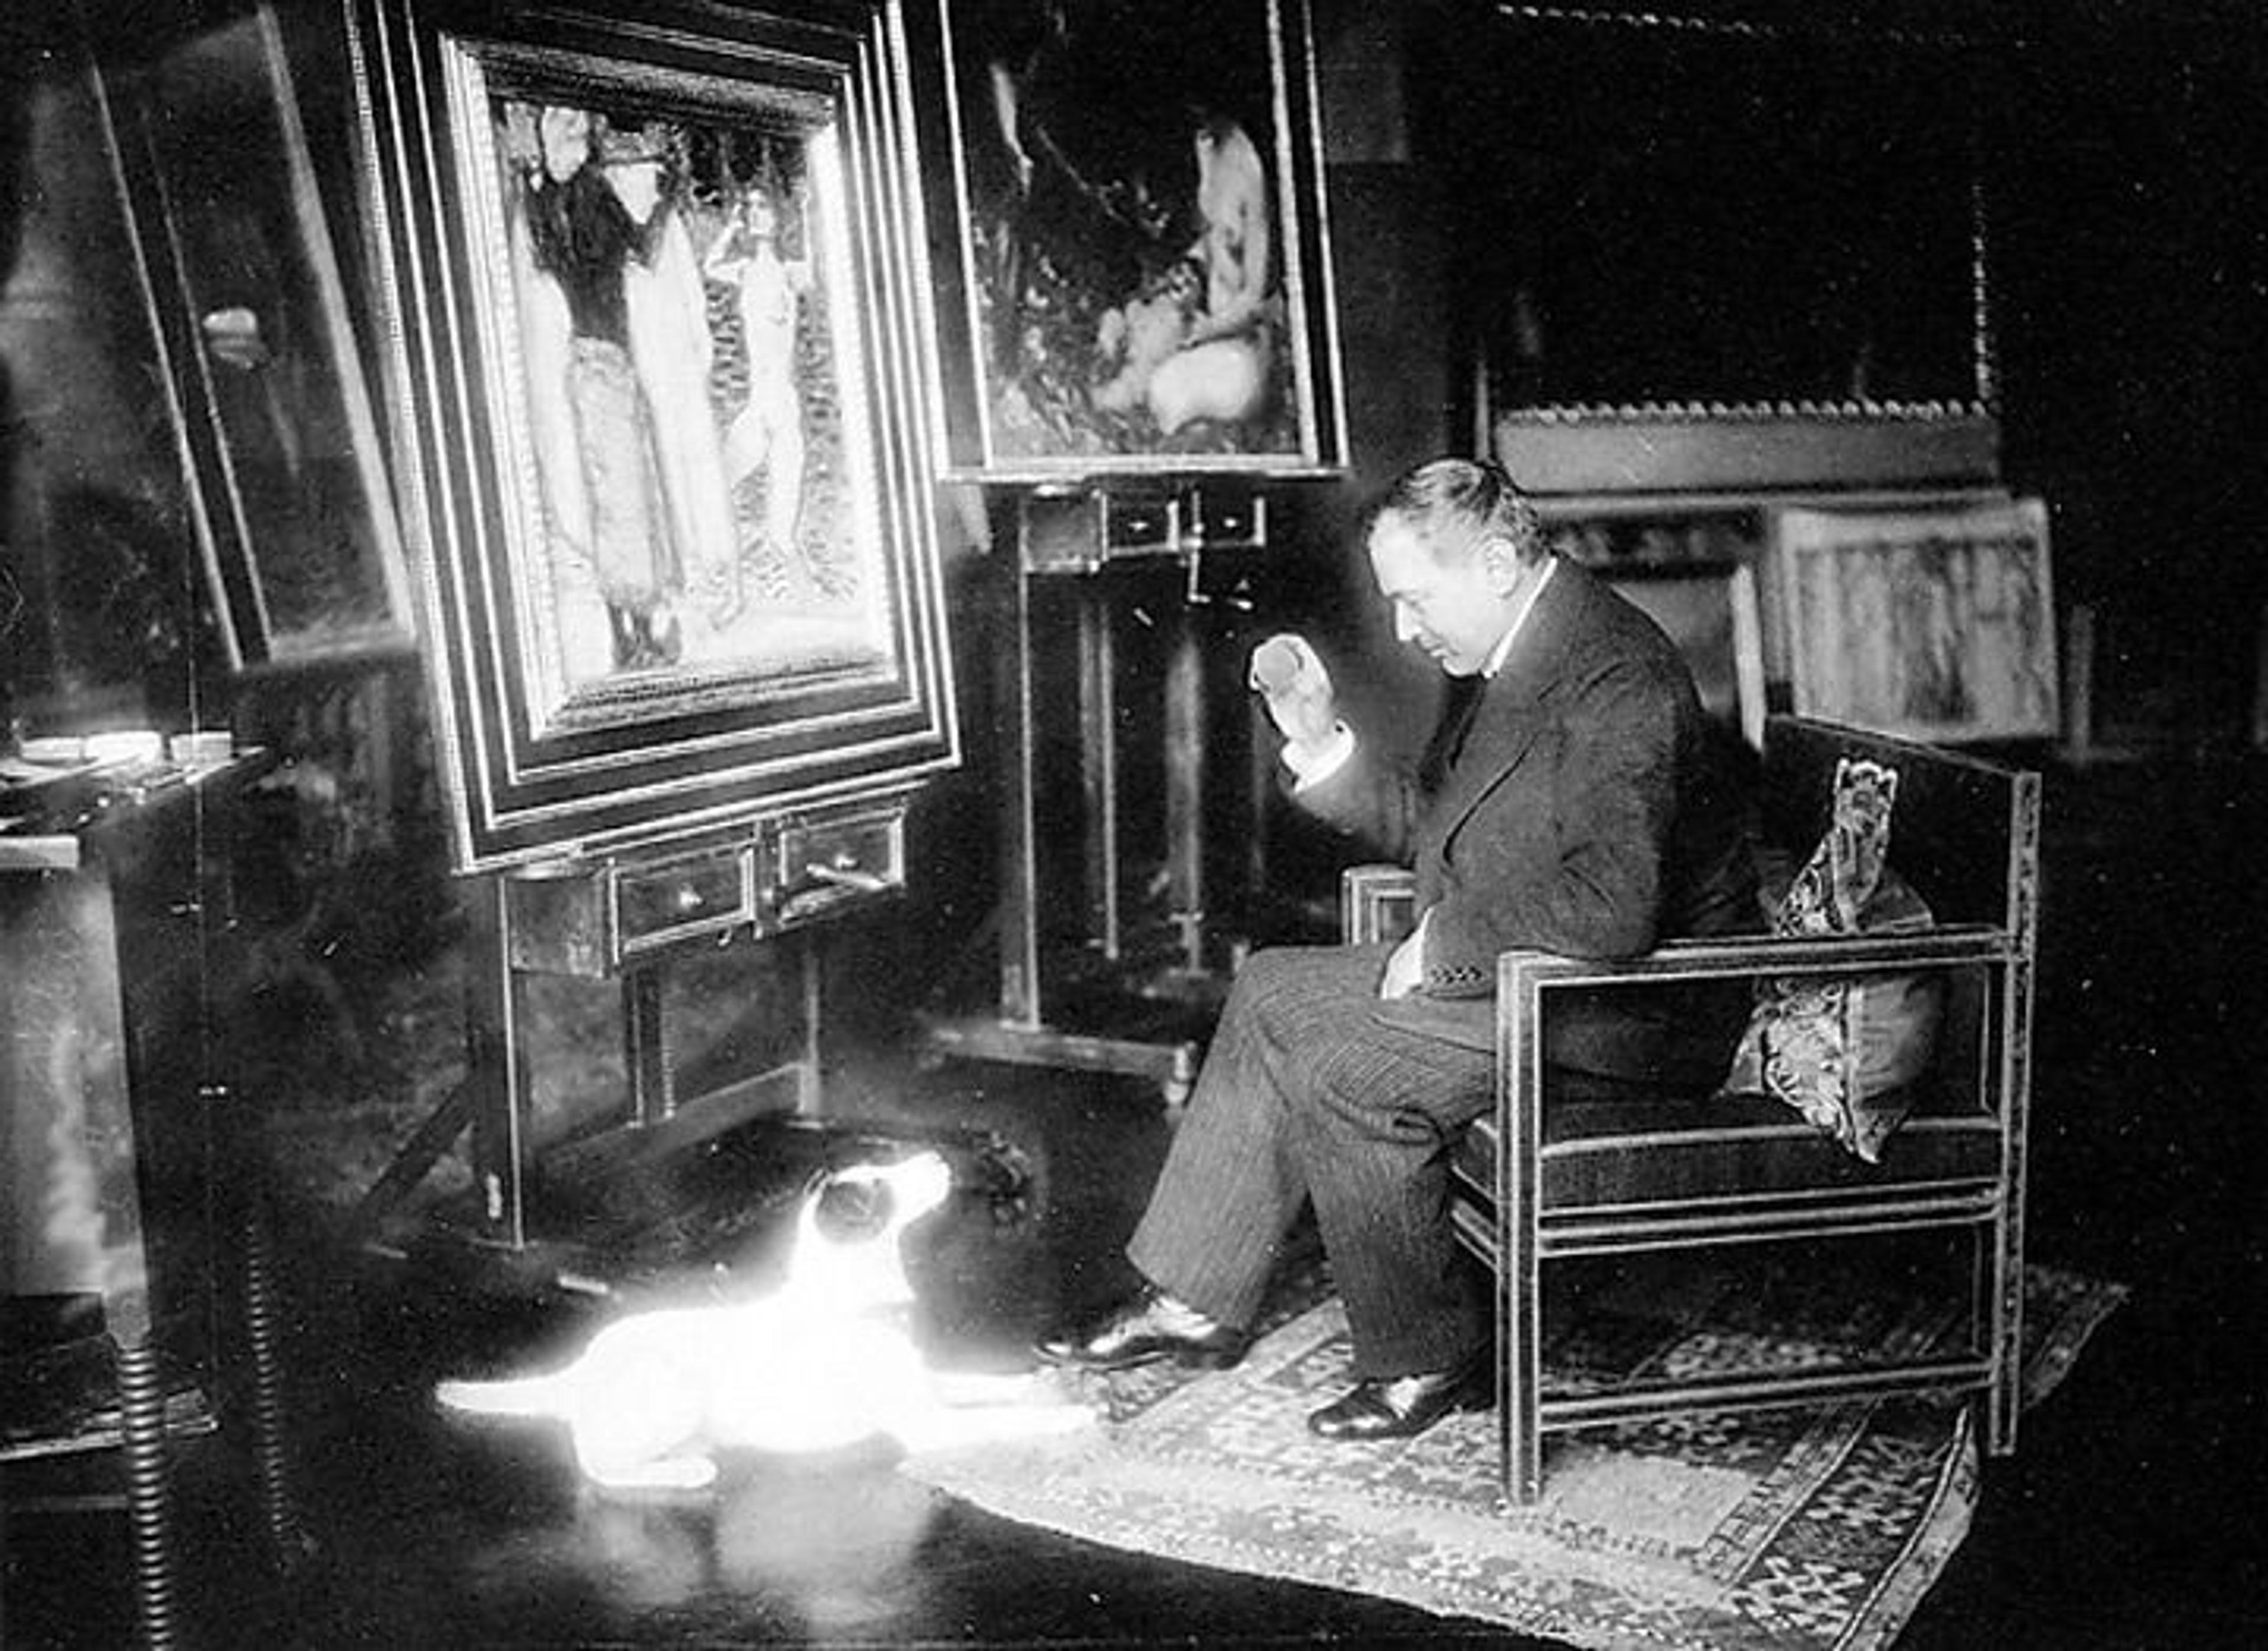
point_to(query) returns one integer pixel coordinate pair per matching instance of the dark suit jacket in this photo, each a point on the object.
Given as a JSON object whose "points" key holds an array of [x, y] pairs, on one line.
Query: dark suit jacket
{"points": [[1585, 808]]}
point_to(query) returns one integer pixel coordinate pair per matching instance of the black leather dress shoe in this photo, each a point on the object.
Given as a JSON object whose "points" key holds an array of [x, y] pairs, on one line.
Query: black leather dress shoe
{"points": [[1399, 1407], [1149, 1328]]}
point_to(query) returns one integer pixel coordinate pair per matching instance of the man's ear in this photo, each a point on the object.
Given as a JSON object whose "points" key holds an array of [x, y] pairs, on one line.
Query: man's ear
{"points": [[1501, 557]]}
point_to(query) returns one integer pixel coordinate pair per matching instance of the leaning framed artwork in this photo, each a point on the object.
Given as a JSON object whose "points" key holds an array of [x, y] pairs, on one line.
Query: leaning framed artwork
{"points": [[1935, 624], [259, 372], [664, 395], [1132, 252]]}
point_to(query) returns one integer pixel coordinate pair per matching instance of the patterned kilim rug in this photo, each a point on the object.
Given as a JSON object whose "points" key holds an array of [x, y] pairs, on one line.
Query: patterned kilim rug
{"points": [[1801, 1528]]}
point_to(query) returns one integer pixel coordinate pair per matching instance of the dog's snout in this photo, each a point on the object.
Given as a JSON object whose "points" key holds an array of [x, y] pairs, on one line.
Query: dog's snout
{"points": [[925, 1180]]}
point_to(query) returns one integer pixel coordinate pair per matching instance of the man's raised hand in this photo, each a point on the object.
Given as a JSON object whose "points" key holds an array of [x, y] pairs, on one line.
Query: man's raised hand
{"points": [[1292, 678]]}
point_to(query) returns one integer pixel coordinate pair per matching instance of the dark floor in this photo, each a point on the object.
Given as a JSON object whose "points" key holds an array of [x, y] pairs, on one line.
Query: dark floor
{"points": [[2127, 1519]]}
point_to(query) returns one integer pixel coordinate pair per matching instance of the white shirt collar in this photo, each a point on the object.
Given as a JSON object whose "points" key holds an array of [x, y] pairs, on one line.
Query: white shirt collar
{"points": [[1502, 651]]}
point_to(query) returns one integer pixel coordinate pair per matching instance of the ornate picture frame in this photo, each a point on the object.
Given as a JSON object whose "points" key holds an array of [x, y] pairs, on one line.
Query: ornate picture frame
{"points": [[1133, 256], [1935, 624], [664, 397]]}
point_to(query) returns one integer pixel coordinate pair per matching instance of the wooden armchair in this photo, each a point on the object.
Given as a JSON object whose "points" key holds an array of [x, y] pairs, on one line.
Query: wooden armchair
{"points": [[1549, 1177]]}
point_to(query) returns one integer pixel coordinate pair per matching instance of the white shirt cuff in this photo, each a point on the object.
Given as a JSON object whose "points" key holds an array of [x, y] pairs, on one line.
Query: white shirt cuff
{"points": [[1312, 764]]}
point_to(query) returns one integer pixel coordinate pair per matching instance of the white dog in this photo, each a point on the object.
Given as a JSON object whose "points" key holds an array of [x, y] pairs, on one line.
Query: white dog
{"points": [[824, 1361]]}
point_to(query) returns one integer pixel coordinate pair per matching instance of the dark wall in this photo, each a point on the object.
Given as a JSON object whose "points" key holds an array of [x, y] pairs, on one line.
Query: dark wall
{"points": [[2132, 259]]}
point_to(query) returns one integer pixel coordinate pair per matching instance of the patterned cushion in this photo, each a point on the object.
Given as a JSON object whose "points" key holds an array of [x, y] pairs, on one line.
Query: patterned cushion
{"points": [[1843, 1051]]}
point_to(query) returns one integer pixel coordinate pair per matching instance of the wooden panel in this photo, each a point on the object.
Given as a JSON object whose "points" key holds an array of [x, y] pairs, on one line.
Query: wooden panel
{"points": [[1601, 455], [1952, 829]]}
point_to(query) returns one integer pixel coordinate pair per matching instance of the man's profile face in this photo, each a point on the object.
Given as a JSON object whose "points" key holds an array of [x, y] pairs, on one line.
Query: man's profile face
{"points": [[1453, 612]]}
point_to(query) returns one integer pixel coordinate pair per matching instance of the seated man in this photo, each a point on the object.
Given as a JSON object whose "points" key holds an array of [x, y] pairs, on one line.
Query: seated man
{"points": [[1570, 802]]}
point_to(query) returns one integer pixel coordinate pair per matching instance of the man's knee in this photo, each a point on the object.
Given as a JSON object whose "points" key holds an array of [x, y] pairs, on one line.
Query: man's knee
{"points": [[1262, 977], [1275, 984]]}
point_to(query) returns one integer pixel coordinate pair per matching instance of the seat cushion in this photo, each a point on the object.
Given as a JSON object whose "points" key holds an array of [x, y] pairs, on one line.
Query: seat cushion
{"points": [[1666, 1150]]}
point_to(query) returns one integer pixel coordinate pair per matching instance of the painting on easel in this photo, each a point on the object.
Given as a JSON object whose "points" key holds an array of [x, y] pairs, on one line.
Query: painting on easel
{"points": [[663, 403], [1140, 278]]}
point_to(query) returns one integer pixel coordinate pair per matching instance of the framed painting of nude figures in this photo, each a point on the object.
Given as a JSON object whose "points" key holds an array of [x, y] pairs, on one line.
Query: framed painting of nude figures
{"points": [[1133, 263], [663, 397]]}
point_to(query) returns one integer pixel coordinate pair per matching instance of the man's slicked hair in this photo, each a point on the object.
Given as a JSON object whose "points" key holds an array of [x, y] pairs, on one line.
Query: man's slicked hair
{"points": [[1454, 504]]}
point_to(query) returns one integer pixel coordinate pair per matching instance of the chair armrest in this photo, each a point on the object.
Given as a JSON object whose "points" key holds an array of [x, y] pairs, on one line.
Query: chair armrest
{"points": [[1377, 902], [1947, 946]]}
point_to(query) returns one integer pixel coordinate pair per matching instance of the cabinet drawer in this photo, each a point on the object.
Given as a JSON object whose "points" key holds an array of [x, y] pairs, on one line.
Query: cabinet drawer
{"points": [[672, 900], [1137, 526], [823, 864], [1224, 518]]}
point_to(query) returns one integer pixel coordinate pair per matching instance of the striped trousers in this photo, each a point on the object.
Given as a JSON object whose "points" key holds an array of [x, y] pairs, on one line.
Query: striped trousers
{"points": [[1305, 1095]]}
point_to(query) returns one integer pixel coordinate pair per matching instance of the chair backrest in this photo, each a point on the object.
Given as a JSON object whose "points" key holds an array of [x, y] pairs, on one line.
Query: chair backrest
{"points": [[1964, 832]]}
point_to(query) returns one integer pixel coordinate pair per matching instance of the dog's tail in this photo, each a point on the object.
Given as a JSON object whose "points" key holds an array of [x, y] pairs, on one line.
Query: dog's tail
{"points": [[525, 1395]]}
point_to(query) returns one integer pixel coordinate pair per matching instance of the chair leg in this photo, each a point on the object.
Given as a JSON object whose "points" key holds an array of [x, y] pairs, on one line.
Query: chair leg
{"points": [[1519, 1431], [2005, 1397], [1521, 1381], [1519, 1241], [1520, 1308], [1520, 1471], [1507, 1399]]}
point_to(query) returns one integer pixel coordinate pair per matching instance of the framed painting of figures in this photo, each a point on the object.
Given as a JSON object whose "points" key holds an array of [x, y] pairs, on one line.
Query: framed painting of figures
{"points": [[1131, 248], [664, 397], [1934, 624]]}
